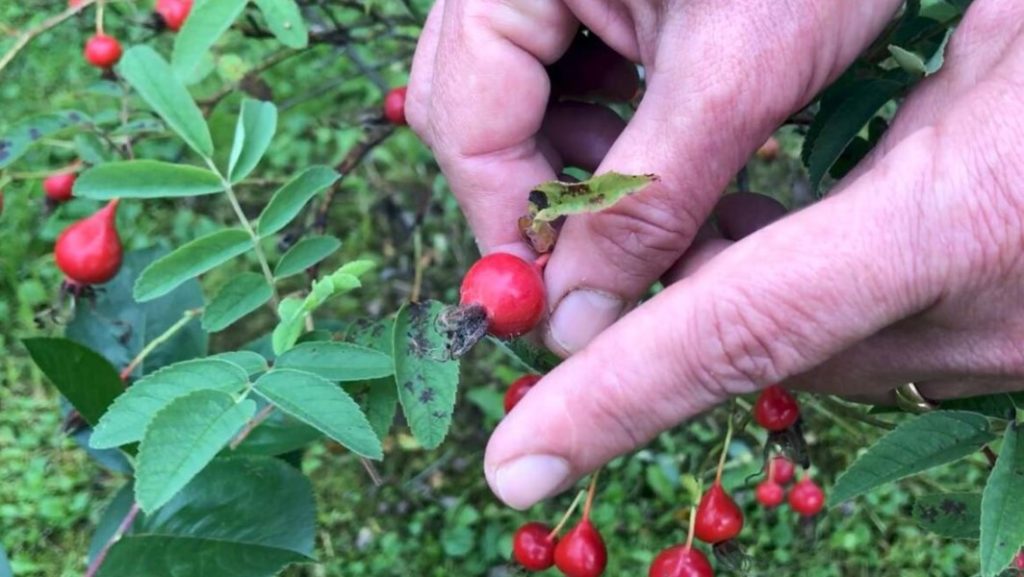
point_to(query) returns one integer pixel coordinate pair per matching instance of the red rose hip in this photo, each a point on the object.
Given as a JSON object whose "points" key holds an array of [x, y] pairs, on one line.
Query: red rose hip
{"points": [[534, 547], [782, 470], [102, 51], [770, 494], [89, 251], [58, 187], [581, 553], [719, 519], [807, 498], [680, 561], [509, 289], [173, 12], [517, 390], [394, 106], [776, 410]]}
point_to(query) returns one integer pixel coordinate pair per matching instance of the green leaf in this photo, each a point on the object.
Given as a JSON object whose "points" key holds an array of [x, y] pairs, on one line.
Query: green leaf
{"points": [[936, 60], [285, 22], [241, 517], [151, 76], [306, 253], [88, 381], [1002, 524], [245, 293], [16, 141], [322, 404], [249, 361], [835, 127], [145, 179], [91, 149], [205, 24], [290, 198], [909, 61], [279, 434], [189, 261], [127, 419], [951, 515], [182, 439], [427, 380], [553, 200], [5, 564], [139, 126], [336, 361], [1000, 406], [256, 125], [111, 519], [928, 441], [381, 398], [290, 327], [527, 355]]}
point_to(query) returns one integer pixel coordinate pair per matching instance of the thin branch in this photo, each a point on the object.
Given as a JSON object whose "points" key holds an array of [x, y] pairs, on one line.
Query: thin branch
{"points": [[155, 343], [274, 59], [375, 134], [261, 416], [126, 524], [30, 34]]}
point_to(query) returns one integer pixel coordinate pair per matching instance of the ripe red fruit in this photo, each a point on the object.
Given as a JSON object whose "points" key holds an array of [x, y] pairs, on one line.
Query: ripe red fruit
{"points": [[58, 186], [1018, 561], [718, 517], [776, 410], [680, 561], [102, 51], [509, 289], [89, 251], [770, 494], [807, 498], [173, 12], [581, 553], [394, 106], [533, 547], [782, 470], [74, 3], [517, 390]]}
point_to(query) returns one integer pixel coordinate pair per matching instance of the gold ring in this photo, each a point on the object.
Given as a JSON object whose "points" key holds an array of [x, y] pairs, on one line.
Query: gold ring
{"points": [[909, 399]]}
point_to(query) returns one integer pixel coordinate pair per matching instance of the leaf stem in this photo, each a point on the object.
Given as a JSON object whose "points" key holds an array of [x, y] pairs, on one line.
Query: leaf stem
{"points": [[126, 524], [155, 343]]}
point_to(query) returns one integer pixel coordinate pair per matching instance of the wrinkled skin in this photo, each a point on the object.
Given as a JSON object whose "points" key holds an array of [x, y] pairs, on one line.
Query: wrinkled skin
{"points": [[910, 270]]}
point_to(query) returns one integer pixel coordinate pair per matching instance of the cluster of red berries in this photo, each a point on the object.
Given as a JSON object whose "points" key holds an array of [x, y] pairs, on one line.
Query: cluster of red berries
{"points": [[104, 51]]}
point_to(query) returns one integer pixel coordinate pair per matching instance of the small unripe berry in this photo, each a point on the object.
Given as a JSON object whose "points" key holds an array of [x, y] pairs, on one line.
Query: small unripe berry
{"points": [[102, 51], [394, 106]]}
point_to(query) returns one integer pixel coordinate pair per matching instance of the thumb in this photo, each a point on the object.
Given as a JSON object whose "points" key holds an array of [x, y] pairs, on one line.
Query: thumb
{"points": [[773, 305]]}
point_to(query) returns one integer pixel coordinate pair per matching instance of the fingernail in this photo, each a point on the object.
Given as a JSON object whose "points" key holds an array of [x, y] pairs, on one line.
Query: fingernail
{"points": [[524, 481], [581, 316]]}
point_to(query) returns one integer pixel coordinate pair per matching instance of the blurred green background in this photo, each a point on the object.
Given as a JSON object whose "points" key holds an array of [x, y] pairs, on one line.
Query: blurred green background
{"points": [[434, 514]]}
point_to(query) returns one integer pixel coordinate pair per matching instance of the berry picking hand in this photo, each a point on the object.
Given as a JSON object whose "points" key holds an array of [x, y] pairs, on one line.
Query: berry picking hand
{"points": [[912, 269]]}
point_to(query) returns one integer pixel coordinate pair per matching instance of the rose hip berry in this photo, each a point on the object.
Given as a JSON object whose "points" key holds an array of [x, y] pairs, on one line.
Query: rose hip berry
{"points": [[534, 547], [581, 553], [58, 186], [394, 106], [718, 518], [509, 289], [173, 12], [89, 251], [782, 470], [680, 561], [770, 494], [807, 498], [517, 390], [776, 410], [1018, 561], [102, 51]]}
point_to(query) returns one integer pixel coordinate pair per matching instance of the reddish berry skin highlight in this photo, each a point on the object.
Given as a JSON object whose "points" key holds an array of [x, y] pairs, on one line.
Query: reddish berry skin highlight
{"points": [[394, 106], [719, 519], [533, 548], [680, 561], [782, 470], [581, 553], [102, 51], [1018, 561], [770, 494], [89, 251], [58, 187], [807, 498], [517, 390], [776, 410], [173, 12], [509, 289]]}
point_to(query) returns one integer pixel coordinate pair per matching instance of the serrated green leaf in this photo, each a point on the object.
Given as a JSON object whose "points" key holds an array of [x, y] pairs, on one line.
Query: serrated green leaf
{"points": [[257, 123], [1002, 504], [182, 439], [85, 378], [285, 22], [381, 398], [145, 179], [427, 380], [205, 24], [189, 261], [323, 405], [293, 312], [131, 413], [336, 361], [245, 293], [938, 58], [17, 141], [306, 253], [290, 198], [928, 441], [112, 517], [951, 515], [558, 199], [249, 361], [151, 76]]}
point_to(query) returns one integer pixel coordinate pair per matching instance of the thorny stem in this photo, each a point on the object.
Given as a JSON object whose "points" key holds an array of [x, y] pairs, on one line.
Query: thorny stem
{"points": [[126, 524], [45, 25], [565, 518], [155, 343]]}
